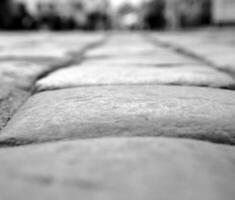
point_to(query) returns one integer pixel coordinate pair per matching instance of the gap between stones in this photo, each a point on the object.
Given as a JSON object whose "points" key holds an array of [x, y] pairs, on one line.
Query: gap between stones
{"points": [[189, 54], [76, 57]]}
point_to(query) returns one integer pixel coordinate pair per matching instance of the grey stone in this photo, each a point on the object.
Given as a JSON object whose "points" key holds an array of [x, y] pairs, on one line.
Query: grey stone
{"points": [[210, 46], [144, 60], [88, 74], [23, 74], [88, 112], [11, 99], [126, 50], [124, 168], [41, 52], [45, 45]]}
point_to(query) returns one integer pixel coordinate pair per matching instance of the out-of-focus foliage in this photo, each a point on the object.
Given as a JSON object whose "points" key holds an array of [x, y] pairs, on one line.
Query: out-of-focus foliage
{"points": [[53, 15], [152, 14]]}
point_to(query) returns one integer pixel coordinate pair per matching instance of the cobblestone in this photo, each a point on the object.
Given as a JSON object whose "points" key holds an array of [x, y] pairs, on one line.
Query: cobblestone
{"points": [[90, 74], [99, 116], [11, 99], [137, 168], [87, 112], [215, 47]]}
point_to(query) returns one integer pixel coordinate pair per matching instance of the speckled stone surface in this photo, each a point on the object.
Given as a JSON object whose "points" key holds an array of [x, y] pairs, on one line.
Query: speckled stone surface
{"points": [[87, 112], [11, 99], [22, 74], [88, 75], [115, 126]]}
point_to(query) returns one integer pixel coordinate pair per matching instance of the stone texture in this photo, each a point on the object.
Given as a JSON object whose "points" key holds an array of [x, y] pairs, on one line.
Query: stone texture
{"points": [[38, 51], [143, 60], [215, 47], [22, 74], [24, 59], [86, 74], [126, 50], [137, 168], [45, 45], [87, 112], [10, 100]]}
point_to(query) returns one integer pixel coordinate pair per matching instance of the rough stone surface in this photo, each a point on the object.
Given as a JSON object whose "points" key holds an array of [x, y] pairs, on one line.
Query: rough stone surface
{"points": [[87, 112], [144, 60], [137, 168], [44, 45], [38, 51], [22, 74], [213, 46], [127, 49], [113, 136], [83, 75], [10, 100]]}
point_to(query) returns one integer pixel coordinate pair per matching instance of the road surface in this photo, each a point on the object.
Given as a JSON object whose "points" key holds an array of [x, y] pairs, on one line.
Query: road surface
{"points": [[120, 115]]}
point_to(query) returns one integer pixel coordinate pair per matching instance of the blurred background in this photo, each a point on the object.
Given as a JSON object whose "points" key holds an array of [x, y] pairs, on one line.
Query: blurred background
{"points": [[111, 14]]}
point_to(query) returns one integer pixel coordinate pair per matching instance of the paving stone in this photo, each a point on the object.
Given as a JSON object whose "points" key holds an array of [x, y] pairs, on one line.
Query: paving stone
{"points": [[107, 75], [87, 112], [10, 100], [125, 51], [23, 74], [213, 49], [138, 168], [143, 60], [37, 51], [45, 46], [133, 52]]}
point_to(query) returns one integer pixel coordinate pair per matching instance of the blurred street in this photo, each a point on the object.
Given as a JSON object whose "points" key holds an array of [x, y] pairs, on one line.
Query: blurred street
{"points": [[117, 115]]}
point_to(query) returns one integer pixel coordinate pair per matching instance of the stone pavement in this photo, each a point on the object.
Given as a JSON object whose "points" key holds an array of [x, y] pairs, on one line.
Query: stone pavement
{"points": [[117, 115]]}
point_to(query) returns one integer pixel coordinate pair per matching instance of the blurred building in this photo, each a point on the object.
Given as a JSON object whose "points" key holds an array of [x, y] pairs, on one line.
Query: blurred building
{"points": [[224, 11]]}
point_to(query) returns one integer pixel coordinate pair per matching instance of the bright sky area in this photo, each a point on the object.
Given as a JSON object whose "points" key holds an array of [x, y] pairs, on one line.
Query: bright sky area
{"points": [[119, 2]]}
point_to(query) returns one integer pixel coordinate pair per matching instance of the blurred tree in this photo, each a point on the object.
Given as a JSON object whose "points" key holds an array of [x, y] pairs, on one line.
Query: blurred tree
{"points": [[5, 14], [153, 17], [53, 18], [206, 16], [21, 18], [98, 21], [42, 16], [98, 17]]}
